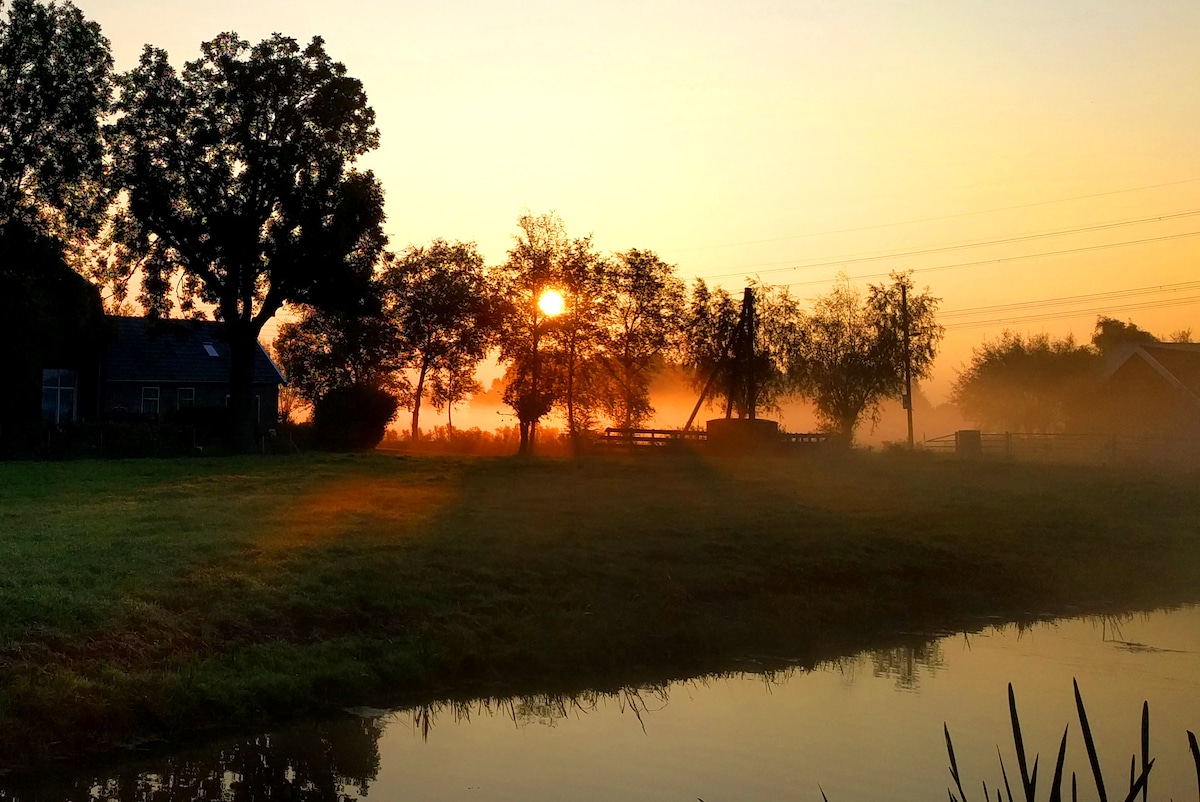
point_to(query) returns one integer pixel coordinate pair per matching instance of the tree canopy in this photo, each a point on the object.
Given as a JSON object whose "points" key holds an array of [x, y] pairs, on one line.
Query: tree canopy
{"points": [[534, 265], [237, 179], [712, 319], [1028, 383], [55, 85], [440, 305], [851, 353], [642, 324], [323, 351]]}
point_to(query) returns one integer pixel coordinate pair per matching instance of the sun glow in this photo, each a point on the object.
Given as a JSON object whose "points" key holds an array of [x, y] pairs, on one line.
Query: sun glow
{"points": [[551, 303]]}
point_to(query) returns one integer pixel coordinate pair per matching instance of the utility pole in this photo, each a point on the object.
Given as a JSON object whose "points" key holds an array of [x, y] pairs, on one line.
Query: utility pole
{"points": [[907, 363], [748, 351]]}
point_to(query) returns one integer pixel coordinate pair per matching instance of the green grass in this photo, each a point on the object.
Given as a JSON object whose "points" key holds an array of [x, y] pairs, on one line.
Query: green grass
{"points": [[155, 599]]}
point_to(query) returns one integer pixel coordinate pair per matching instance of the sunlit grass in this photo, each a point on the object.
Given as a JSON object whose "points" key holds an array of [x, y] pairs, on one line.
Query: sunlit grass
{"points": [[154, 597]]}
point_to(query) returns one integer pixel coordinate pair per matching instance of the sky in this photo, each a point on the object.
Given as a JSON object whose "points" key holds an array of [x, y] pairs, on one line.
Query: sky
{"points": [[789, 140]]}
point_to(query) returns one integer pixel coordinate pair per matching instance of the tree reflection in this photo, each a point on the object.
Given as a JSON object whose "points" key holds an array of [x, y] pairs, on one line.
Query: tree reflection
{"points": [[904, 664], [316, 762], [545, 709]]}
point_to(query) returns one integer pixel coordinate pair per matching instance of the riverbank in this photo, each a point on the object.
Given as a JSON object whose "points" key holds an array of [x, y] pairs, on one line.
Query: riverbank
{"points": [[154, 600]]}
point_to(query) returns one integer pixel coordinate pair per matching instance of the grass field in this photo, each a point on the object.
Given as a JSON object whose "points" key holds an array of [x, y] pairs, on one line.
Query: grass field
{"points": [[158, 599]]}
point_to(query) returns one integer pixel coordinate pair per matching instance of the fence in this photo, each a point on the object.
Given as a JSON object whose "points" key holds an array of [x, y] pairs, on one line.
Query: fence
{"points": [[642, 438], [1059, 447]]}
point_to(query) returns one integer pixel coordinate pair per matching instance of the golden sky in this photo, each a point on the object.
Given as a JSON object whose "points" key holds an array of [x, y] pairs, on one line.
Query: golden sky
{"points": [[732, 136]]}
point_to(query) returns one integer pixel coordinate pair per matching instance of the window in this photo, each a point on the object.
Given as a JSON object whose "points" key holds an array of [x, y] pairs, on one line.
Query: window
{"points": [[58, 395], [187, 398], [210, 349], [150, 401]]}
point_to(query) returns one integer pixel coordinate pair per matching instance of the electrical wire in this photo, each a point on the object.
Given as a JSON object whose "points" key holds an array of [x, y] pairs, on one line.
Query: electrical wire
{"points": [[967, 244], [1183, 286], [1191, 299], [935, 219], [1005, 259]]}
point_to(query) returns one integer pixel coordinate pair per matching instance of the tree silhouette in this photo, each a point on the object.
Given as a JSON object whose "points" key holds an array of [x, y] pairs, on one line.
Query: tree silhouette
{"points": [[440, 303], [642, 325], [851, 354], [323, 351], [453, 381], [712, 318], [1026, 384], [1111, 333], [55, 85], [534, 265], [583, 280], [237, 177]]}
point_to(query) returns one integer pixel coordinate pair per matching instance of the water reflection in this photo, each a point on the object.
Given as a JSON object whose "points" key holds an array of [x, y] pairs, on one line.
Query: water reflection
{"points": [[541, 709], [335, 760], [766, 735]]}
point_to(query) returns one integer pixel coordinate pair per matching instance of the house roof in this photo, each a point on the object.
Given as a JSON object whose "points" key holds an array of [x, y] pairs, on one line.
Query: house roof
{"points": [[1177, 363], [168, 350]]}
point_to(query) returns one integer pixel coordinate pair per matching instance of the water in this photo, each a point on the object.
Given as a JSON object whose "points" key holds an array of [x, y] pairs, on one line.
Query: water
{"points": [[864, 728]]}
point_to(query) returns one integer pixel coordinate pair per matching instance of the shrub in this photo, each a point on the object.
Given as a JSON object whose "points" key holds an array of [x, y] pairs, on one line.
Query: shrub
{"points": [[352, 418]]}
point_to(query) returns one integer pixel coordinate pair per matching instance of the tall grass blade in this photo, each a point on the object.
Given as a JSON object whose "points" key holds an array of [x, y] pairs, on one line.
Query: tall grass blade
{"points": [[1056, 783], [822, 790], [1140, 784], [1074, 795], [1145, 746], [1195, 754], [953, 765], [1132, 769], [1093, 758], [1004, 774], [1020, 744]]}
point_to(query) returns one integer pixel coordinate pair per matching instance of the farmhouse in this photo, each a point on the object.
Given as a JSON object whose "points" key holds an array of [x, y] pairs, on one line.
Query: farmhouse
{"points": [[1151, 390], [152, 369]]}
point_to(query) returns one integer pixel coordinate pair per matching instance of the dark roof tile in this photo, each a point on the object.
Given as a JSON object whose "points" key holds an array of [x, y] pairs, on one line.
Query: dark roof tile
{"points": [[167, 350]]}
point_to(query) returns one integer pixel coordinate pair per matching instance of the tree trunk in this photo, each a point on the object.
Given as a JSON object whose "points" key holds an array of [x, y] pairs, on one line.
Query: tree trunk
{"points": [[418, 391], [242, 345], [572, 430], [526, 444], [845, 429]]}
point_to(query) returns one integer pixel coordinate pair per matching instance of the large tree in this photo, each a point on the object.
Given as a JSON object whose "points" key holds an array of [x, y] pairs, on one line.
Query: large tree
{"points": [[1026, 384], [713, 320], [642, 323], [237, 178], [852, 352], [322, 351], [440, 303], [533, 365], [584, 279], [1111, 333], [55, 85]]}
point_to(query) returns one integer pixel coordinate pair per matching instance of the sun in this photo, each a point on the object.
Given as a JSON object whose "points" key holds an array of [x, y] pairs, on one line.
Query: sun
{"points": [[551, 303]]}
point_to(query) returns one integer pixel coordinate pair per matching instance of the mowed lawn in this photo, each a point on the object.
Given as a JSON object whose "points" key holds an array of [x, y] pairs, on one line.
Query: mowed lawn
{"points": [[157, 599]]}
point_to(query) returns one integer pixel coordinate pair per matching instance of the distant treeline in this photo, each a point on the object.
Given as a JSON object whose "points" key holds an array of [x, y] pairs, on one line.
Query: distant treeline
{"points": [[231, 185], [1035, 383]]}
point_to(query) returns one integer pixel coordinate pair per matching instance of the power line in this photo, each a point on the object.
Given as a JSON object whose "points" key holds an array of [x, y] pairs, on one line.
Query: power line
{"points": [[935, 219], [1191, 299], [970, 244], [1072, 299], [1001, 260]]}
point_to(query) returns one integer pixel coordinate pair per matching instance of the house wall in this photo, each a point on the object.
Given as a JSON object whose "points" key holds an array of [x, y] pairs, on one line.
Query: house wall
{"points": [[1136, 400], [136, 399]]}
